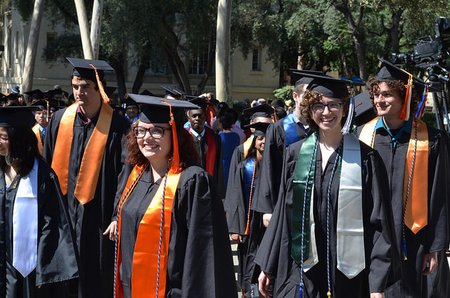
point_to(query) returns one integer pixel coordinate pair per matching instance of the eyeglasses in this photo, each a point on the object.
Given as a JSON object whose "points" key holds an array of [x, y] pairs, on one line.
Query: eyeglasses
{"points": [[156, 132], [320, 107], [4, 138]]}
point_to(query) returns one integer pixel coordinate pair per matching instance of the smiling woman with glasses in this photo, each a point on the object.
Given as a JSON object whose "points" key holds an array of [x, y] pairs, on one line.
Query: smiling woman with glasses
{"points": [[169, 226], [330, 235]]}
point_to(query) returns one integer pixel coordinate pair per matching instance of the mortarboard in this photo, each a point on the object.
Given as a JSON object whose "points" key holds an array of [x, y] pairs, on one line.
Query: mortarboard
{"points": [[326, 85], [299, 78], [259, 128], [172, 91], [91, 70], [146, 92], [364, 111], [157, 109], [35, 94], [263, 110], [199, 101], [14, 116]]}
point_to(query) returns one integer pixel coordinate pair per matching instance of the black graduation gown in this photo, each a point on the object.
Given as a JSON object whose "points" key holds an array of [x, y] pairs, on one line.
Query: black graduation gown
{"points": [[236, 211], [266, 194], [274, 255], [217, 178], [56, 255], [199, 262], [433, 237], [91, 220]]}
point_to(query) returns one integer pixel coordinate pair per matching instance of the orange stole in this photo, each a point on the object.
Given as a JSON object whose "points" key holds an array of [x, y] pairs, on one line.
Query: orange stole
{"points": [[210, 152], [416, 211], [145, 276], [133, 178], [38, 137], [92, 156]]}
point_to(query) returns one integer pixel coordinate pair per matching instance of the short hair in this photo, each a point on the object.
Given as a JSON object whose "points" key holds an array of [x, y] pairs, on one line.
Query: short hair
{"points": [[397, 87]]}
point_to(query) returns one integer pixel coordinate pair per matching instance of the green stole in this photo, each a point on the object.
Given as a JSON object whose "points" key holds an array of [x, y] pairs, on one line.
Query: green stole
{"points": [[349, 226]]}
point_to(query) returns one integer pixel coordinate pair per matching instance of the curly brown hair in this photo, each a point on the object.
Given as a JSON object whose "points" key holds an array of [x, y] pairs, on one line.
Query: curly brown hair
{"points": [[309, 99], [188, 153], [398, 87]]}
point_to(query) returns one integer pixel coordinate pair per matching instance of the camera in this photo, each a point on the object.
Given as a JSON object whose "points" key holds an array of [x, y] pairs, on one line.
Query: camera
{"points": [[427, 50]]}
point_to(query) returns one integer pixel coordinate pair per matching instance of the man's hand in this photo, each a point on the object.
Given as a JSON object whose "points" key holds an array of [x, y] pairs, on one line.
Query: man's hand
{"points": [[236, 237], [111, 231], [429, 263], [376, 295], [264, 286], [266, 219]]}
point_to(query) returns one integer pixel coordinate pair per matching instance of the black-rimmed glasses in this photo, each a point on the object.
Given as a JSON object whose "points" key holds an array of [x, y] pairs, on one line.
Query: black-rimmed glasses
{"points": [[320, 107], [156, 132]]}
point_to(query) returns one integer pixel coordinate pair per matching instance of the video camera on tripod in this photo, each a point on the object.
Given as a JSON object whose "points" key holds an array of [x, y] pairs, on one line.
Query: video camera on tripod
{"points": [[428, 50]]}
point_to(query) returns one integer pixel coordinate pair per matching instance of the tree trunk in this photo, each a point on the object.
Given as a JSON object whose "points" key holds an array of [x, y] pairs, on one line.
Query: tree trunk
{"points": [[33, 38], [96, 26], [139, 78], [84, 29], [118, 62], [394, 32], [223, 50], [209, 66]]}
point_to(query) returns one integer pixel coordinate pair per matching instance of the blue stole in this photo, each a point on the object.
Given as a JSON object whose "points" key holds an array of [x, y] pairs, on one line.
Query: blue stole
{"points": [[249, 166], [290, 130]]}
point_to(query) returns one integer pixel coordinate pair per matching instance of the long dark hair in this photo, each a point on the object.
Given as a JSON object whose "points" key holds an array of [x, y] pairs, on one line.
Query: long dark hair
{"points": [[23, 149], [188, 153]]}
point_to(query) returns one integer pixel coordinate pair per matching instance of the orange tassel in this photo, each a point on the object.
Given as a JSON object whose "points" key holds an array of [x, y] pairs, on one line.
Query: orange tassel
{"points": [[175, 168], [100, 86], [404, 115]]}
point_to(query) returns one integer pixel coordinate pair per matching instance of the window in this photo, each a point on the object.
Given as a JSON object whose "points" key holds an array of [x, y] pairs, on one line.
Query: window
{"points": [[199, 59], [256, 60]]}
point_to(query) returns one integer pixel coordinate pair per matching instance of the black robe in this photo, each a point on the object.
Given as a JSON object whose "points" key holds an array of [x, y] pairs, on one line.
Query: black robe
{"points": [[236, 210], [433, 237], [91, 220], [266, 194], [274, 255], [56, 255], [199, 262], [202, 148]]}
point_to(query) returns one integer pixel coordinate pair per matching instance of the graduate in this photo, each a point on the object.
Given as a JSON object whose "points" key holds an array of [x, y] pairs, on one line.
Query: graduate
{"points": [[172, 238], [84, 146], [416, 159], [331, 231], [244, 225], [37, 251], [279, 136], [207, 144]]}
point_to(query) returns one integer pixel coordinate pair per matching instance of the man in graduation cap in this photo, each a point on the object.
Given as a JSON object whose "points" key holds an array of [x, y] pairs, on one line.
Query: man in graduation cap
{"points": [[245, 225], [83, 145], [331, 231], [416, 159], [207, 143], [279, 136]]}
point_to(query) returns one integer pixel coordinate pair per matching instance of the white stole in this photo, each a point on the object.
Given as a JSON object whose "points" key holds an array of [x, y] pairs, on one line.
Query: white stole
{"points": [[25, 223]]}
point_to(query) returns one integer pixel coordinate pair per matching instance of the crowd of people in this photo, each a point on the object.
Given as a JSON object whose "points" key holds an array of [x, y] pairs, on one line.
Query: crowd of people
{"points": [[145, 201]]}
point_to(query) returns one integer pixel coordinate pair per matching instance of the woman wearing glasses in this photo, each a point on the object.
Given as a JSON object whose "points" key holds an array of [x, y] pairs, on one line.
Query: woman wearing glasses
{"points": [[330, 233], [171, 231]]}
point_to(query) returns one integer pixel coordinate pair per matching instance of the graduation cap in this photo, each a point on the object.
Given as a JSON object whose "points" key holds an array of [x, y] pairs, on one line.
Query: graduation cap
{"points": [[326, 85], [259, 128], [157, 109], [390, 72], [297, 76], [364, 111], [263, 110], [199, 101], [146, 92], [175, 93], [92, 70], [35, 94], [15, 116]]}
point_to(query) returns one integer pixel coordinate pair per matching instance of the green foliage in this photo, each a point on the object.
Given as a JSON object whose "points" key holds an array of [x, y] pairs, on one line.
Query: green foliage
{"points": [[283, 93], [66, 45], [25, 8]]}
